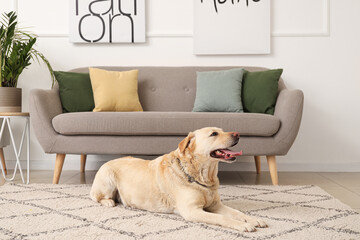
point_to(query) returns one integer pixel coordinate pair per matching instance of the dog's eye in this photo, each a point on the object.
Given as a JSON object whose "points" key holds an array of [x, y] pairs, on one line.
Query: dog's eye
{"points": [[214, 134]]}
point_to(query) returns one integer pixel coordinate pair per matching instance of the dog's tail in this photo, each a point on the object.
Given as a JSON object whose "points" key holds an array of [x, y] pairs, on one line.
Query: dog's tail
{"points": [[104, 185]]}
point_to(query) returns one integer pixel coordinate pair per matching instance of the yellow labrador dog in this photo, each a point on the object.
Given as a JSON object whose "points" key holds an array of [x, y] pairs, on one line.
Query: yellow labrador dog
{"points": [[184, 181]]}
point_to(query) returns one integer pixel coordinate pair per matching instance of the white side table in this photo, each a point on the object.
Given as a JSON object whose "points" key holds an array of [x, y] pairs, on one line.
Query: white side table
{"points": [[6, 121]]}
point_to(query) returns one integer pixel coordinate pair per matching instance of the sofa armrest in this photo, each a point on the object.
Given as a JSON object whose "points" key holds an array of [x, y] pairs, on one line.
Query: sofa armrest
{"points": [[44, 106], [288, 109]]}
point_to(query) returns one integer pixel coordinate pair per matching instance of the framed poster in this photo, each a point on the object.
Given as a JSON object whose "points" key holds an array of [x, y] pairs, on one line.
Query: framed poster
{"points": [[232, 27], [107, 21]]}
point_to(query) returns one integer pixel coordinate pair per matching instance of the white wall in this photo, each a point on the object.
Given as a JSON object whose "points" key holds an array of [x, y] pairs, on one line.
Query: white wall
{"points": [[316, 42]]}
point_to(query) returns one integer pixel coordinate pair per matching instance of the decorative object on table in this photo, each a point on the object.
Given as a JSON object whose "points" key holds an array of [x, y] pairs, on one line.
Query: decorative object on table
{"points": [[16, 52], [292, 212], [232, 27], [10, 99], [6, 117], [120, 21]]}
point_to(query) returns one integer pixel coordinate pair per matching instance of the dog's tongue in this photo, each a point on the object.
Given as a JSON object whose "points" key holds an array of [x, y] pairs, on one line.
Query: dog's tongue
{"points": [[231, 154]]}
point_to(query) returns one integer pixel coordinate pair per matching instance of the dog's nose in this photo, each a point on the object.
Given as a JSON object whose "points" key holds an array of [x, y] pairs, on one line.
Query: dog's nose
{"points": [[235, 134]]}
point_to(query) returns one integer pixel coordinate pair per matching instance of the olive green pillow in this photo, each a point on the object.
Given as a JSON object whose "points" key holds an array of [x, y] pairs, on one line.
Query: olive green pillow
{"points": [[219, 91], [76, 93], [260, 91]]}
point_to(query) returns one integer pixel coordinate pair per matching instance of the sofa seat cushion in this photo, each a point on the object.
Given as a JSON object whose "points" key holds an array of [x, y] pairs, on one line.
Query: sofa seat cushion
{"points": [[163, 123]]}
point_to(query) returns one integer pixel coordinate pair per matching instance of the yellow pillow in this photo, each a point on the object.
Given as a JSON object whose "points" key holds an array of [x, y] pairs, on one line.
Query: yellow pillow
{"points": [[115, 91]]}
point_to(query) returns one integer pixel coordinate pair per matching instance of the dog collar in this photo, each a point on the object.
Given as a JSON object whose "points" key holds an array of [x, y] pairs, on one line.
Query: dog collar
{"points": [[190, 178]]}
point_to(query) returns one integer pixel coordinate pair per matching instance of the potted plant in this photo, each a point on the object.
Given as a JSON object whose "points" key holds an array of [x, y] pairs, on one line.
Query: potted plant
{"points": [[16, 52]]}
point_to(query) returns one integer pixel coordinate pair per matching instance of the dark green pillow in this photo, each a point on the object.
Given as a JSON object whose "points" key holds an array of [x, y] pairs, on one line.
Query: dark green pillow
{"points": [[260, 91], [219, 91], [75, 91]]}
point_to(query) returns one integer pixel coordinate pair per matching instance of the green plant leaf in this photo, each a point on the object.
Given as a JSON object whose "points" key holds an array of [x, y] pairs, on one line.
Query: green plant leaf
{"points": [[16, 51]]}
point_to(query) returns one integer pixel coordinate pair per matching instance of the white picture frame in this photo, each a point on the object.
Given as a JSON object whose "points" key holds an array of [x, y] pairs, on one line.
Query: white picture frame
{"points": [[107, 21], [232, 27]]}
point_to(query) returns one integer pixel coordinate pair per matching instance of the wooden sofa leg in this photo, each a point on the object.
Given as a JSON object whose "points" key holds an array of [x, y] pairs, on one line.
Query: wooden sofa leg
{"points": [[258, 164], [3, 159], [82, 162], [59, 162], [273, 169]]}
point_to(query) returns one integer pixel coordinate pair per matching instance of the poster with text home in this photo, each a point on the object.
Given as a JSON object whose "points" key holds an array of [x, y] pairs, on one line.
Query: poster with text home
{"points": [[107, 21], [232, 27]]}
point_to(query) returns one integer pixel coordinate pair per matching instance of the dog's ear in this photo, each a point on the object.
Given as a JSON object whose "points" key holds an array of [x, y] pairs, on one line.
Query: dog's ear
{"points": [[186, 142]]}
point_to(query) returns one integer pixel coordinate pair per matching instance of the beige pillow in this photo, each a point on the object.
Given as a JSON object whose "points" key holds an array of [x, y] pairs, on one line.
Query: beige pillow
{"points": [[115, 91]]}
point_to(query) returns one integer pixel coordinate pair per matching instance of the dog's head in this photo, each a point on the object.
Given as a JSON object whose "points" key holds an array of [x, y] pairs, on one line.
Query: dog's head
{"points": [[211, 143]]}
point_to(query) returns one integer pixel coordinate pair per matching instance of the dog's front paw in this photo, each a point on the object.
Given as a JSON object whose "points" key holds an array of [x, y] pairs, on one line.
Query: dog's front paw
{"points": [[247, 227], [257, 222], [107, 202]]}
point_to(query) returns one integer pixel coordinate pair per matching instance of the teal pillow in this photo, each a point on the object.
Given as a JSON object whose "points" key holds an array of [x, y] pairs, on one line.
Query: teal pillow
{"points": [[219, 91], [260, 91], [76, 93]]}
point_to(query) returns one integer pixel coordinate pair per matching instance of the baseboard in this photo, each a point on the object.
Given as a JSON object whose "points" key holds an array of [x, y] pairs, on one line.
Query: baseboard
{"points": [[73, 163]]}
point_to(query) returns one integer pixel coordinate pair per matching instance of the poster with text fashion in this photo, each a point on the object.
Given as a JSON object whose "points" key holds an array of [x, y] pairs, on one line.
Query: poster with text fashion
{"points": [[232, 27], [107, 21]]}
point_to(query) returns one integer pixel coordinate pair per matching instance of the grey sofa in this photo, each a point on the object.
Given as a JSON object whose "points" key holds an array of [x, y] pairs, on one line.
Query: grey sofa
{"points": [[167, 95]]}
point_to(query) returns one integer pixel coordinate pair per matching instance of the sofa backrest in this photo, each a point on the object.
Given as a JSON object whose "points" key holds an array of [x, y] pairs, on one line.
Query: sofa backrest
{"points": [[170, 88]]}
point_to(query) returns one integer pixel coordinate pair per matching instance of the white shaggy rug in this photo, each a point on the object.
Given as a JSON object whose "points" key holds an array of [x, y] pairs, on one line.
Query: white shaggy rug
{"points": [[43, 211]]}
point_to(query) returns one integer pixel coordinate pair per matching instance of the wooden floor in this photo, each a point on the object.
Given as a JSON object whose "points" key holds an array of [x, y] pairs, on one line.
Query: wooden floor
{"points": [[343, 186]]}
